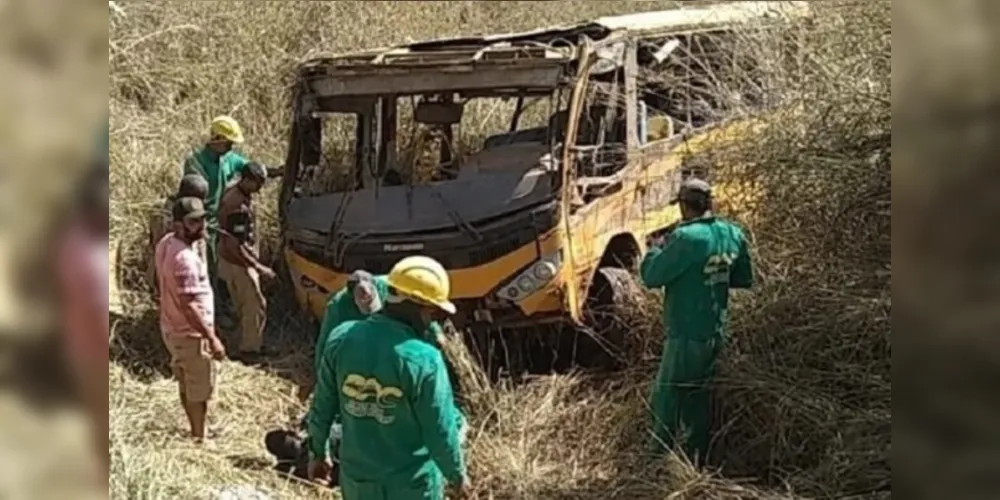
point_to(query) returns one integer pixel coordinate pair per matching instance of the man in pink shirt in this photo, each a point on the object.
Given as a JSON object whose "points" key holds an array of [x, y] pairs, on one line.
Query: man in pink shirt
{"points": [[82, 269], [187, 311]]}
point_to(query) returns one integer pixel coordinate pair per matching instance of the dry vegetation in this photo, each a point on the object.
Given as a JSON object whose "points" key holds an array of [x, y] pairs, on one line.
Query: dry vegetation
{"points": [[804, 400]]}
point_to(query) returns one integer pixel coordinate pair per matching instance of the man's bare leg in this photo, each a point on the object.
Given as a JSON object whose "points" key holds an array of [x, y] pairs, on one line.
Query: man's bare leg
{"points": [[196, 417], [198, 411]]}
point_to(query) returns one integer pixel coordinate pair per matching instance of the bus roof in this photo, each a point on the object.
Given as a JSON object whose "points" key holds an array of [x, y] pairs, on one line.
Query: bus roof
{"points": [[540, 54]]}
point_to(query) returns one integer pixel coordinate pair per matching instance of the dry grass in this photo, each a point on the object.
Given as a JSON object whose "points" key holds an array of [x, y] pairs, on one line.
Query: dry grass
{"points": [[805, 396]]}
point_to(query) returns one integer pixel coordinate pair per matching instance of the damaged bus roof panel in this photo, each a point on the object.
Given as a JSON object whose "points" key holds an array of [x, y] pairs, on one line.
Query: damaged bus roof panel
{"points": [[534, 59], [531, 45]]}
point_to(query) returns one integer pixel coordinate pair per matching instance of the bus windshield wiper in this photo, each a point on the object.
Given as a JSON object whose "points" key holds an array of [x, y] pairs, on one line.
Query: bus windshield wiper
{"points": [[456, 218]]}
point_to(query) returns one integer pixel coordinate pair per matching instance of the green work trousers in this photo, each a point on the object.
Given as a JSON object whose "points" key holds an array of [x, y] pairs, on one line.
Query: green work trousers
{"points": [[425, 488], [681, 399]]}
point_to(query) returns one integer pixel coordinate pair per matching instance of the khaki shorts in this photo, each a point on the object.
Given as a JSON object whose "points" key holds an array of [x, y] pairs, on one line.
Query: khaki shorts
{"points": [[191, 363]]}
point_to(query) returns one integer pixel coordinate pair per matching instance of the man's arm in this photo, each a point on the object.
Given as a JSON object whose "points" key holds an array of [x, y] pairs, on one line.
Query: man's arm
{"points": [[80, 293], [187, 277], [325, 409], [239, 163], [742, 274], [330, 318], [440, 420], [663, 265], [233, 224], [195, 319], [238, 253]]}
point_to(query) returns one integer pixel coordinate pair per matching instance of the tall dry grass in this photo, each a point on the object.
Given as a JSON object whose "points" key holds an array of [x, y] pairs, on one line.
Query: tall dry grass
{"points": [[805, 393]]}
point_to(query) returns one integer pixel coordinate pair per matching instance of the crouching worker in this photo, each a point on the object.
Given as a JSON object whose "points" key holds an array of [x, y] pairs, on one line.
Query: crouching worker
{"points": [[363, 295], [388, 385], [292, 454]]}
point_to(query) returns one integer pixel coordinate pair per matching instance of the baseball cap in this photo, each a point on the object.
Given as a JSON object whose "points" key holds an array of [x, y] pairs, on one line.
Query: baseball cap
{"points": [[693, 187], [188, 208]]}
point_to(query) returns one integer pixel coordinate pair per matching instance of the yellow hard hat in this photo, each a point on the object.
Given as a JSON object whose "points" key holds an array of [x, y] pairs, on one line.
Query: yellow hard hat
{"points": [[424, 280], [227, 128]]}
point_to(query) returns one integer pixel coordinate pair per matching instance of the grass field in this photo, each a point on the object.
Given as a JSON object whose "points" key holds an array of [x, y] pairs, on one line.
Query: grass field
{"points": [[804, 400]]}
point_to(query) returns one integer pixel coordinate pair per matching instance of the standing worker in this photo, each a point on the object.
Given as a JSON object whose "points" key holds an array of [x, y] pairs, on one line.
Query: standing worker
{"points": [[363, 295], [219, 164], [704, 257], [162, 221], [389, 386], [239, 265], [187, 312]]}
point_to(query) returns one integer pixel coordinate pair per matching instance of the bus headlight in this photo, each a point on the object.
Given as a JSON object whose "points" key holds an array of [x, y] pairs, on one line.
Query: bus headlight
{"points": [[544, 271], [532, 279], [525, 284]]}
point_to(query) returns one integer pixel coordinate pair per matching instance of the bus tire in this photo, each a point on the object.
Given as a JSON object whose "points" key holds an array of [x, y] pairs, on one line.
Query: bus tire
{"points": [[603, 343]]}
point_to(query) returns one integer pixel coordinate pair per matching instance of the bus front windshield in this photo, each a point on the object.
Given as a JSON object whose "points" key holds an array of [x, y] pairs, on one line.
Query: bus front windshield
{"points": [[418, 140]]}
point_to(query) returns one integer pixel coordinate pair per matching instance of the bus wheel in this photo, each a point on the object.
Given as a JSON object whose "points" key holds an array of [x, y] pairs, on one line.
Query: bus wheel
{"points": [[603, 341]]}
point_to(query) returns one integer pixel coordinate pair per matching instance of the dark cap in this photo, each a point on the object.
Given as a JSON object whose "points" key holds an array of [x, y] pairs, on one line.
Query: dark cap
{"points": [[256, 170], [188, 208], [193, 185], [693, 188]]}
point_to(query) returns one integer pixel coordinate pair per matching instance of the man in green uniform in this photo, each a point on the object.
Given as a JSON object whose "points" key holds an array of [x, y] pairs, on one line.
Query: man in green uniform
{"points": [[389, 386], [703, 258], [363, 295], [219, 164]]}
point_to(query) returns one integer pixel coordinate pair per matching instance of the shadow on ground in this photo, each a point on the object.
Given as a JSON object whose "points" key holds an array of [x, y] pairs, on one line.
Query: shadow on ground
{"points": [[136, 346], [289, 334]]}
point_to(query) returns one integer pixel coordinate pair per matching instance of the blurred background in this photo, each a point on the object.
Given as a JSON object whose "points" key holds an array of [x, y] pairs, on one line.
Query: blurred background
{"points": [[52, 111]]}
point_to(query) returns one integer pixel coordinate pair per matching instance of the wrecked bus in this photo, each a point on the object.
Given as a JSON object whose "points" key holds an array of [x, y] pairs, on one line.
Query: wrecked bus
{"points": [[533, 166]]}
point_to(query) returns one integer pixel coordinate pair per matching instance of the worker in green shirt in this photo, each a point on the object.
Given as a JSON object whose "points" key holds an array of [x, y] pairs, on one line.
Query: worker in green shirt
{"points": [[388, 385], [220, 165], [363, 295], [701, 260]]}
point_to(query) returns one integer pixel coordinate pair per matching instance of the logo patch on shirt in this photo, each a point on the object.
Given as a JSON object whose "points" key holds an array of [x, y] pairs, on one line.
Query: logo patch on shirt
{"points": [[718, 268], [369, 398]]}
